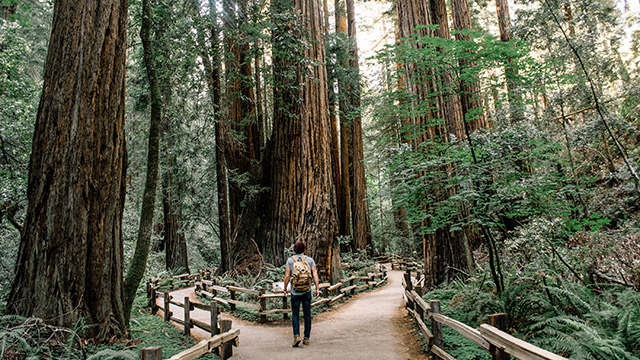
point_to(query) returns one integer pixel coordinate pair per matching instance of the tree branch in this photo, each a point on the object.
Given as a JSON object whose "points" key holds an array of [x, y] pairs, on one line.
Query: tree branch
{"points": [[636, 179]]}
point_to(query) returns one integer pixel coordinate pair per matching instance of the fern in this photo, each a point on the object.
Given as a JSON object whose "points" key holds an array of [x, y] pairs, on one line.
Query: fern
{"points": [[572, 297], [12, 337], [569, 334], [628, 326]]}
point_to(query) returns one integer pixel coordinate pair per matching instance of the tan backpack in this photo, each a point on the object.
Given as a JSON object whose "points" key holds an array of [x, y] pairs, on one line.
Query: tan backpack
{"points": [[301, 274]]}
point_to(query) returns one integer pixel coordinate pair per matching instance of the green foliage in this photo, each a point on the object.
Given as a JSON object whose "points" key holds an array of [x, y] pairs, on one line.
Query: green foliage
{"points": [[564, 317], [154, 331], [359, 263], [109, 354], [23, 44], [490, 176], [31, 338]]}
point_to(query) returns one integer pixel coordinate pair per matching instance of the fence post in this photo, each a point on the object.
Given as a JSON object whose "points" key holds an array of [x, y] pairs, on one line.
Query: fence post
{"points": [[498, 321], [187, 316], [151, 353], [233, 297], [227, 348], [152, 301], [353, 291], [407, 280], [436, 327], [263, 306], [420, 311], [167, 303], [213, 309], [285, 306]]}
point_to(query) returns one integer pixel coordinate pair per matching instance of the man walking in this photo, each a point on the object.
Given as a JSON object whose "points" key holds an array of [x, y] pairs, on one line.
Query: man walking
{"points": [[300, 269]]}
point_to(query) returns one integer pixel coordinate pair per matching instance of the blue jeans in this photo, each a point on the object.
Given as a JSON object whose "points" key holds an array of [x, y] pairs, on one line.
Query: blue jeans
{"points": [[305, 299]]}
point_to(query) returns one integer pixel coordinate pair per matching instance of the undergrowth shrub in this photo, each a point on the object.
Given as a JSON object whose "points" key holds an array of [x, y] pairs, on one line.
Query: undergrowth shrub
{"points": [[31, 338], [549, 310]]}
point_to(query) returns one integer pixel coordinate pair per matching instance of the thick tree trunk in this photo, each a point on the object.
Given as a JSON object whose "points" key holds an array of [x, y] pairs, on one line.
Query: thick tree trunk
{"points": [[473, 117], [504, 26], [420, 86], [336, 166], [346, 129], [460, 255], [361, 225], [139, 261], [260, 115], [449, 97], [445, 253], [470, 99], [399, 214], [70, 260], [243, 145], [212, 73], [174, 239], [300, 203]]}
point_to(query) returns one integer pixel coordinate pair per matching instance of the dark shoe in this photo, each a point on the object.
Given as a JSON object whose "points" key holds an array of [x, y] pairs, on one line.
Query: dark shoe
{"points": [[305, 341], [296, 341]]}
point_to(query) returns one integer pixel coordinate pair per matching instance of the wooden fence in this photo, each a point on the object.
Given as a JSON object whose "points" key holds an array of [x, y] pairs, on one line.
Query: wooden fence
{"points": [[221, 344], [259, 299], [490, 337], [178, 281], [220, 329], [222, 335], [399, 262]]}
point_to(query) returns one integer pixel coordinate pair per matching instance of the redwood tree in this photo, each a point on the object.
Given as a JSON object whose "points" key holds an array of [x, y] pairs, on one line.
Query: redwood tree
{"points": [[361, 225], [211, 60], [300, 203], [469, 90], [243, 140], [176, 256], [428, 93], [346, 130], [175, 243], [504, 27], [70, 260]]}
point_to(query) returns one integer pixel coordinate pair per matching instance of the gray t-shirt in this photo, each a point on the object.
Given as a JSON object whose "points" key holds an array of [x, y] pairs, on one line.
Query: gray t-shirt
{"points": [[289, 264]]}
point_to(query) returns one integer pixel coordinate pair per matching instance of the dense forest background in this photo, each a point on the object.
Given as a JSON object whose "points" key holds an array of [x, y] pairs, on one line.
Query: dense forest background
{"points": [[494, 141]]}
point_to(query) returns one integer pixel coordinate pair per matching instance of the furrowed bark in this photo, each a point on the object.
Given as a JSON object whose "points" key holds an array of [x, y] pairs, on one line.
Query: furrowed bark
{"points": [[71, 257]]}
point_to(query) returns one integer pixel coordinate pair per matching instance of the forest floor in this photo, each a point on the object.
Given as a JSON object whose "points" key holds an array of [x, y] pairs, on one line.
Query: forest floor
{"points": [[370, 326]]}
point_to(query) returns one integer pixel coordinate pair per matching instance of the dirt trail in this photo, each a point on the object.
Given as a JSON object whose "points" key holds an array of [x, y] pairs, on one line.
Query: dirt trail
{"points": [[370, 326]]}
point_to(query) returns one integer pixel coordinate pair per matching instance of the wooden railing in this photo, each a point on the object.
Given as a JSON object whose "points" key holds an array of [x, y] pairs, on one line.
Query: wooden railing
{"points": [[398, 262], [221, 344], [187, 322], [178, 281], [220, 329], [221, 333], [490, 337], [258, 299]]}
